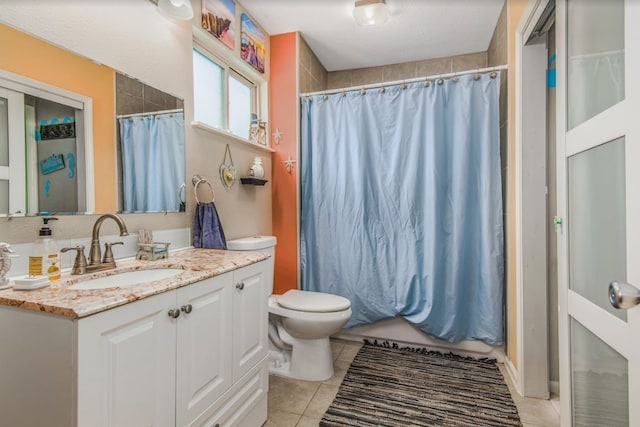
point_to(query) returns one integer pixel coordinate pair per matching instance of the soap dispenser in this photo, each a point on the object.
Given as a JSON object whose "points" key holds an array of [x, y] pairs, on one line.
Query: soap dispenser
{"points": [[45, 258]]}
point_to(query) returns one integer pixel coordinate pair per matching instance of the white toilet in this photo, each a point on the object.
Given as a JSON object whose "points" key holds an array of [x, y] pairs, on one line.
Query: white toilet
{"points": [[300, 323]]}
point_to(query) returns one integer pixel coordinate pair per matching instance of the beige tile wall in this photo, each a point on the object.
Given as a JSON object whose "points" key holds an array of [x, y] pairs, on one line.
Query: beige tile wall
{"points": [[406, 70], [311, 72]]}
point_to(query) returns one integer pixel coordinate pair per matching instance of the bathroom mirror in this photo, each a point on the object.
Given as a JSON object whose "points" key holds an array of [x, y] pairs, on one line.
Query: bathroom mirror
{"points": [[61, 128], [150, 148]]}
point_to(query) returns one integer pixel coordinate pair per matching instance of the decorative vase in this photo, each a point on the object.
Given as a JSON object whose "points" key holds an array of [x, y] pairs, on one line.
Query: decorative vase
{"points": [[256, 170]]}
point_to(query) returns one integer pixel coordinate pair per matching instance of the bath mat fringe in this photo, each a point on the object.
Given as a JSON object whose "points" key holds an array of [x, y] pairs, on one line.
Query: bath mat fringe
{"points": [[391, 386], [426, 351]]}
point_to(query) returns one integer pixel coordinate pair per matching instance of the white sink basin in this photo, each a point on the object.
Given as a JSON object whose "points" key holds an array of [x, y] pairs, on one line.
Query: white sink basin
{"points": [[128, 278]]}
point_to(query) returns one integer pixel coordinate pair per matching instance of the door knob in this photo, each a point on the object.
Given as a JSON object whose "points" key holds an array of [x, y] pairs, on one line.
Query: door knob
{"points": [[174, 312], [623, 295], [240, 285]]}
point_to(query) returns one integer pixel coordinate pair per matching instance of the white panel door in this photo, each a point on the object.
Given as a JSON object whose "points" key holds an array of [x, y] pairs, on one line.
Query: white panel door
{"points": [[126, 365], [204, 341], [250, 318], [599, 200], [12, 153]]}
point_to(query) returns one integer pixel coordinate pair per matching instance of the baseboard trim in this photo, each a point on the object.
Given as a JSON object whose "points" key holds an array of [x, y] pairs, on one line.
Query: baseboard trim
{"points": [[513, 374]]}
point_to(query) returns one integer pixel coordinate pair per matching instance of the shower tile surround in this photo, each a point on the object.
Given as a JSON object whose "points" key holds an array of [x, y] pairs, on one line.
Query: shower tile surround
{"points": [[314, 77], [312, 74], [294, 403], [406, 70], [133, 96]]}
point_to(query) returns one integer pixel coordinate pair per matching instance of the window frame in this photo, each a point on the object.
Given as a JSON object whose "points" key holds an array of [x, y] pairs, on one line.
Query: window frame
{"points": [[228, 71]]}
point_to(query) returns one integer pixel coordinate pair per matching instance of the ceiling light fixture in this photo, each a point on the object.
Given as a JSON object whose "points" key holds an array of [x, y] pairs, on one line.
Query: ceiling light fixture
{"points": [[176, 9], [370, 12]]}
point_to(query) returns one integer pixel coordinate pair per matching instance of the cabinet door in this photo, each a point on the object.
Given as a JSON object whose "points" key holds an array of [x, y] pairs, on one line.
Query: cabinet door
{"points": [[126, 365], [250, 318], [204, 346]]}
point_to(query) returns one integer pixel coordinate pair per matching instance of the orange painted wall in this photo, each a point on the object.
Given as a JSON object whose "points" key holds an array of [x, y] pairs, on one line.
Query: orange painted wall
{"points": [[283, 100], [38, 60]]}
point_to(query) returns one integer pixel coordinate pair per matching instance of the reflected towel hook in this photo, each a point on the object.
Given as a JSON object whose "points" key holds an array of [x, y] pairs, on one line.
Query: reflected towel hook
{"points": [[197, 180]]}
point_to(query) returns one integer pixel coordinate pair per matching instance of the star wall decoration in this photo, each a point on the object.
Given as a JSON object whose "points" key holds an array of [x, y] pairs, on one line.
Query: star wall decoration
{"points": [[289, 164], [277, 135]]}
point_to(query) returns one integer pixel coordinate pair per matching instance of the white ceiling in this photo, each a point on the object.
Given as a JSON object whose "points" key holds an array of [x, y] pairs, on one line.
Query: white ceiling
{"points": [[416, 29]]}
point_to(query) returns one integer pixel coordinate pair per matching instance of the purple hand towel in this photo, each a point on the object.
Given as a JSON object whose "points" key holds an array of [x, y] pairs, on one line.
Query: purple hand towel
{"points": [[207, 230]]}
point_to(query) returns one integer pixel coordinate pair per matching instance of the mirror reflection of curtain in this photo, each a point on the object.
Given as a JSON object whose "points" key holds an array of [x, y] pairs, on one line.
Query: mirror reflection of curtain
{"points": [[153, 164], [402, 205]]}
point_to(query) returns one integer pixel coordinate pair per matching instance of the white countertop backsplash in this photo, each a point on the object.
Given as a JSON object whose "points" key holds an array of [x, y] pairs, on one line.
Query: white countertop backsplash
{"points": [[180, 238]]}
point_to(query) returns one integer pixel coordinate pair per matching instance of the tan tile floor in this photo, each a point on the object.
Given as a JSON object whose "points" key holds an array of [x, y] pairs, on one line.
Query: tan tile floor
{"points": [[294, 403]]}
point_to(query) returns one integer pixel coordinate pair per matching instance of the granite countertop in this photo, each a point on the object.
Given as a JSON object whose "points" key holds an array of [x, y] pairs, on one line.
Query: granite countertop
{"points": [[198, 264]]}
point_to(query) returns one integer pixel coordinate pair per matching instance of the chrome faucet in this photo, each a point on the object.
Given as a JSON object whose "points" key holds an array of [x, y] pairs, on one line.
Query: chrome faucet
{"points": [[80, 265], [94, 252]]}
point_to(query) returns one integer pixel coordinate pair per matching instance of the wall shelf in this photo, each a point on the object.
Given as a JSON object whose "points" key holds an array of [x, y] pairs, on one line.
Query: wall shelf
{"points": [[253, 181], [234, 138]]}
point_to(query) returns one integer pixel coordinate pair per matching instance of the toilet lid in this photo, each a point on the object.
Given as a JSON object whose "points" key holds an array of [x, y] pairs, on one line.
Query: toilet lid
{"points": [[316, 302]]}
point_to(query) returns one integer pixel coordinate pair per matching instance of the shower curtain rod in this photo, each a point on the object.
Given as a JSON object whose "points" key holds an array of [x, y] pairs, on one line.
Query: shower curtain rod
{"points": [[153, 113], [414, 80]]}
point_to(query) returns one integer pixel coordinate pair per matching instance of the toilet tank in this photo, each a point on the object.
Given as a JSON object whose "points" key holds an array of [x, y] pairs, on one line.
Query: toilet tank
{"points": [[257, 244], [254, 243]]}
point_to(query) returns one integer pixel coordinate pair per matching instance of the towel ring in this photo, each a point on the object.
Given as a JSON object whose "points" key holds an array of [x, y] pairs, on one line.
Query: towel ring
{"points": [[197, 180]]}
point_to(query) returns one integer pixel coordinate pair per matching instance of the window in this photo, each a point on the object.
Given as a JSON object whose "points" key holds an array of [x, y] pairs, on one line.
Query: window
{"points": [[240, 105], [208, 87], [223, 98]]}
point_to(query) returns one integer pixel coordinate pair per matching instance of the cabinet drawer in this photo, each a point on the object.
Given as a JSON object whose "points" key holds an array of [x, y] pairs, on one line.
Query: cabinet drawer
{"points": [[234, 406]]}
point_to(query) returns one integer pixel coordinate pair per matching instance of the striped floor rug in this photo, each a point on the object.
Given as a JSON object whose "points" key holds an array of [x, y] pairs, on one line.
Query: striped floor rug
{"points": [[388, 386]]}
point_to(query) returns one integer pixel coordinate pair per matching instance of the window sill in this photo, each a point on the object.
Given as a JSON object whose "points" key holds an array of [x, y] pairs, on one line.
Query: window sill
{"points": [[233, 137]]}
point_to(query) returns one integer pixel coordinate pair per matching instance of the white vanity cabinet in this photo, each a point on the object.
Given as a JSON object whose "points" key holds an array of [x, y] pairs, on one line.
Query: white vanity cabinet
{"points": [[139, 365], [250, 321], [126, 365], [195, 355]]}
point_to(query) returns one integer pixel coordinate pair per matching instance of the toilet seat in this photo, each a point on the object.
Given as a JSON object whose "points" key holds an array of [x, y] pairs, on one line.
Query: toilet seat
{"points": [[312, 302], [279, 310]]}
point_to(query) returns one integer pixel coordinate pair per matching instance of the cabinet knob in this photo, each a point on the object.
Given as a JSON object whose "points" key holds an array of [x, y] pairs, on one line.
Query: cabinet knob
{"points": [[186, 308], [174, 312], [240, 285]]}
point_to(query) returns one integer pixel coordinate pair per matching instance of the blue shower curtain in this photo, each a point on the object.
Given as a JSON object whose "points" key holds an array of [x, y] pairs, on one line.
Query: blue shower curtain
{"points": [[153, 163], [402, 205]]}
